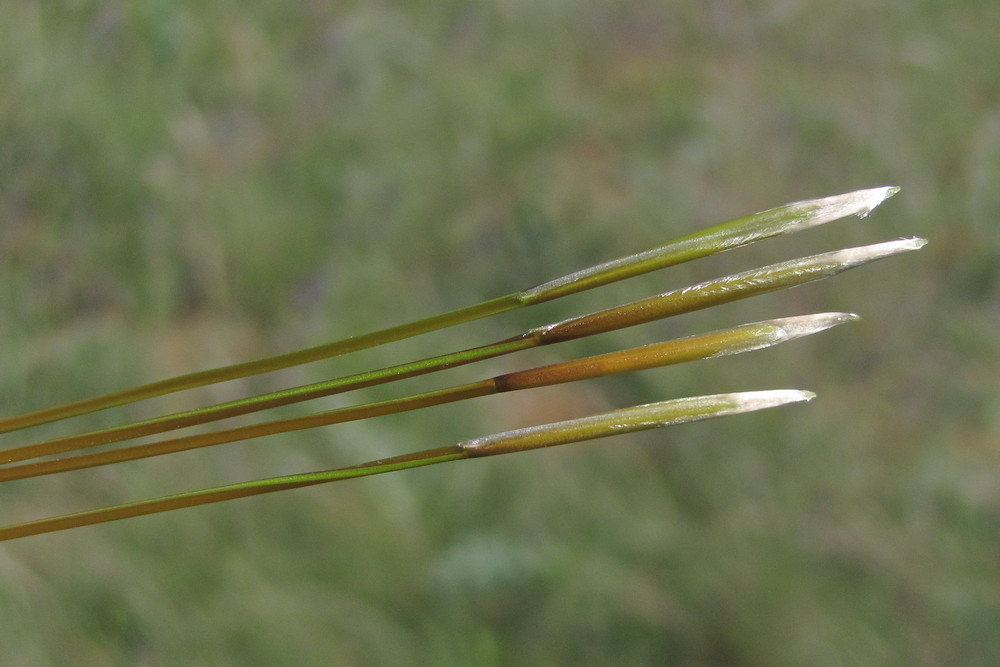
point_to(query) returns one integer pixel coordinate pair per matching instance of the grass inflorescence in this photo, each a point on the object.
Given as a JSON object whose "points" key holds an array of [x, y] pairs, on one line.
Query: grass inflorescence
{"points": [[743, 338]]}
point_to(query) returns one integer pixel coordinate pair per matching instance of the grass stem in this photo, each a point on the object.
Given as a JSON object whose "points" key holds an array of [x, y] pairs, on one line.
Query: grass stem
{"points": [[675, 302], [744, 338], [736, 340], [773, 222], [616, 422]]}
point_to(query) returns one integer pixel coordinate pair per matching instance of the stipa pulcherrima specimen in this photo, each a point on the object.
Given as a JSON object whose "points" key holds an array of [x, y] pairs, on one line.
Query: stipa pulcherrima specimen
{"points": [[744, 338]]}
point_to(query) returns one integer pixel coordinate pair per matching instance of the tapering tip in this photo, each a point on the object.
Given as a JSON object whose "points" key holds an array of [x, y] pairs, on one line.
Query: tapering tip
{"points": [[629, 420], [761, 335], [697, 408], [912, 243], [749, 401], [805, 325], [869, 199], [861, 203], [870, 253]]}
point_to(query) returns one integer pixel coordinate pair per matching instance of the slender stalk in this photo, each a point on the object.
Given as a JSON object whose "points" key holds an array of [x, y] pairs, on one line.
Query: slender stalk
{"points": [[626, 420], [730, 288], [674, 302], [735, 340], [782, 220]]}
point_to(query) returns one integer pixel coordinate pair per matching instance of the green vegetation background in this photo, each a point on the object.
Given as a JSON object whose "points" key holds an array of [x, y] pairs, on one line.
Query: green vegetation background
{"points": [[188, 184]]}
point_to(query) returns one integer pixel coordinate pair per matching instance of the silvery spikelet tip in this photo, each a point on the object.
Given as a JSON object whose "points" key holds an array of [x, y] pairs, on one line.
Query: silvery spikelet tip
{"points": [[748, 401], [630, 420], [761, 335], [869, 253], [696, 408], [826, 209], [870, 199], [805, 325]]}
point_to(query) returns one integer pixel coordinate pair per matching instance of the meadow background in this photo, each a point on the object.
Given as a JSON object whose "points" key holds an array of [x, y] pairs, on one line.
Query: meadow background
{"points": [[188, 184]]}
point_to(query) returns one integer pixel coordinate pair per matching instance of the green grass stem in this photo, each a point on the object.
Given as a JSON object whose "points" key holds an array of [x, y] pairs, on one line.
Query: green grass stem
{"points": [[675, 302], [616, 422], [781, 220], [735, 340]]}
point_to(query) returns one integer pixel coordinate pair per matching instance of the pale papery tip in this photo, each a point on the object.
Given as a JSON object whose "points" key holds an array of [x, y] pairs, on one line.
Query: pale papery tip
{"points": [[826, 209], [875, 251], [871, 198], [804, 325], [694, 408], [749, 401]]}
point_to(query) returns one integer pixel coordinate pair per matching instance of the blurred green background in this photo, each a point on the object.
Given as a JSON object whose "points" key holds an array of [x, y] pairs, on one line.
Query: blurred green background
{"points": [[188, 184]]}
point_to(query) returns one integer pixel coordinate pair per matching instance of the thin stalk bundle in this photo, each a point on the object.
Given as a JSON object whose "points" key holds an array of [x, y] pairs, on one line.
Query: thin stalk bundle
{"points": [[744, 338]]}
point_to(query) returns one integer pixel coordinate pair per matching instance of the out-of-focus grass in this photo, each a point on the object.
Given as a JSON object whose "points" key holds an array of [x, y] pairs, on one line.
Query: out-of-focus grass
{"points": [[183, 185]]}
